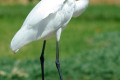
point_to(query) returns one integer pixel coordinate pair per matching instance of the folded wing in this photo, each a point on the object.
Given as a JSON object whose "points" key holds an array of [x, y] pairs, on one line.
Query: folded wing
{"points": [[42, 10]]}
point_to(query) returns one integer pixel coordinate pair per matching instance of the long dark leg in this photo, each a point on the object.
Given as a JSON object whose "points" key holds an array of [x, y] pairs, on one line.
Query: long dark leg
{"points": [[42, 59], [57, 61]]}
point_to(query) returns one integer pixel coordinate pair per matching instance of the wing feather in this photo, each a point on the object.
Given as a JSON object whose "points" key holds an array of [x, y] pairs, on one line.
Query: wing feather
{"points": [[42, 10]]}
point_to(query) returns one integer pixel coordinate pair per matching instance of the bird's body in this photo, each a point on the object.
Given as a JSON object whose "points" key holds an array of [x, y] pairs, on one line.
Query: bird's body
{"points": [[43, 21], [47, 19]]}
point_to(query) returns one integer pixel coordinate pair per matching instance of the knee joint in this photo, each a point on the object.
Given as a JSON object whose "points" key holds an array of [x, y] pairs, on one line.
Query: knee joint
{"points": [[57, 63], [42, 58]]}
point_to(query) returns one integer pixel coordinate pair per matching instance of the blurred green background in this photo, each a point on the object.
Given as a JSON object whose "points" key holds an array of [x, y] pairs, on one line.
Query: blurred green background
{"points": [[89, 46]]}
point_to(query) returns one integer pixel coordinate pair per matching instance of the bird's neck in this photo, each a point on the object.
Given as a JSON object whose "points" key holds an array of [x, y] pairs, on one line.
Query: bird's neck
{"points": [[83, 0], [80, 6]]}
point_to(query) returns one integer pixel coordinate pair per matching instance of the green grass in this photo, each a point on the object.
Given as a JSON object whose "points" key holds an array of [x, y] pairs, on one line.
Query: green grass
{"points": [[89, 46], [96, 64]]}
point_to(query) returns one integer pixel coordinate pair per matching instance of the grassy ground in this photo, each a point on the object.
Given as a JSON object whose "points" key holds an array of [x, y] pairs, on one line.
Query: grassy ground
{"points": [[96, 64], [93, 53]]}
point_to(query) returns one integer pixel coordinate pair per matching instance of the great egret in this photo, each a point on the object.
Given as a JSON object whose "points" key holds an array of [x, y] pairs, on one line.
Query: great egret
{"points": [[47, 19]]}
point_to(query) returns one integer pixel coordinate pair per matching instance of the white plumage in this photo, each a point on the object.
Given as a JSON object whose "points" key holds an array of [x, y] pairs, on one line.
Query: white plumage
{"points": [[47, 19]]}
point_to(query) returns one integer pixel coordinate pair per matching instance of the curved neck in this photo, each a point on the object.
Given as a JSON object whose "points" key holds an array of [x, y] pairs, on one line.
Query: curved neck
{"points": [[80, 6]]}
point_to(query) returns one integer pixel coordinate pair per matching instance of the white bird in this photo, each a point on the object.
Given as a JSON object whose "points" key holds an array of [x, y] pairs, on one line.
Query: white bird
{"points": [[47, 19]]}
